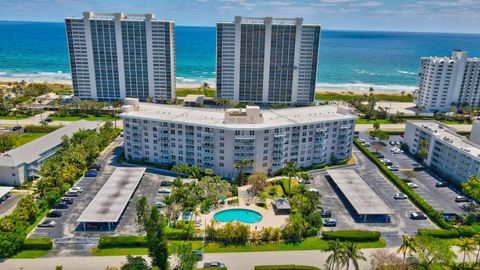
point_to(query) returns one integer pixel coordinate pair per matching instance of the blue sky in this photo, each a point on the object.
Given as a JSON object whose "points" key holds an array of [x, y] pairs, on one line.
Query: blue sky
{"points": [[407, 15]]}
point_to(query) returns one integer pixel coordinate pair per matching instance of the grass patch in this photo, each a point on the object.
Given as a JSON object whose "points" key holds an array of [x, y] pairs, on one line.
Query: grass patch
{"points": [[30, 254], [26, 138], [88, 118], [350, 96], [311, 243], [182, 92], [371, 121], [138, 250], [11, 117], [273, 191]]}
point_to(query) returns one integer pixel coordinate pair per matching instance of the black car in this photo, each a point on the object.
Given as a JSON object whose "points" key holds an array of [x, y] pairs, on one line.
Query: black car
{"points": [[165, 183], [418, 216], [95, 167], [48, 119], [326, 213], [462, 199], [67, 200], [54, 214], [379, 155], [213, 265], [16, 128], [441, 184], [61, 205], [198, 254]]}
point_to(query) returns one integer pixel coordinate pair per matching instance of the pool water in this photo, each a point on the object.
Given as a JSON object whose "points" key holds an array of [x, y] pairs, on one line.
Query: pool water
{"points": [[242, 215]]}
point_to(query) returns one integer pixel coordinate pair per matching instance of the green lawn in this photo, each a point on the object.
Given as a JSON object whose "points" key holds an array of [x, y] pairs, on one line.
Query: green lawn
{"points": [[27, 137], [312, 243], [76, 118], [9, 117], [182, 92], [137, 251], [31, 254]]}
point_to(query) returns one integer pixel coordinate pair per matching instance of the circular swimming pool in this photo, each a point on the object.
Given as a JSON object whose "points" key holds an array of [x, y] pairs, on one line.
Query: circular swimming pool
{"points": [[238, 214]]}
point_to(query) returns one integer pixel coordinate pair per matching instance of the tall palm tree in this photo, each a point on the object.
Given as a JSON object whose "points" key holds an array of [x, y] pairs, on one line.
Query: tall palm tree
{"points": [[408, 245], [351, 252], [241, 164], [466, 247], [333, 260], [476, 241], [290, 169]]}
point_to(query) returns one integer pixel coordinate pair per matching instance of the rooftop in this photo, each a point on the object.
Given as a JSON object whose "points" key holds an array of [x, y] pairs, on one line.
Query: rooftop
{"points": [[32, 151], [222, 118], [113, 197], [359, 194], [4, 190], [449, 136], [282, 204]]}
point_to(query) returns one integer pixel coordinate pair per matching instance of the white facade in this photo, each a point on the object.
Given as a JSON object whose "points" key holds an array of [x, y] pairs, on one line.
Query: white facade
{"points": [[216, 139], [117, 55], [449, 154], [267, 60], [444, 81]]}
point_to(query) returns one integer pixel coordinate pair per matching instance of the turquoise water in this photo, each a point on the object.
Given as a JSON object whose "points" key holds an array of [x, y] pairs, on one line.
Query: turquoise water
{"points": [[348, 59], [242, 215]]}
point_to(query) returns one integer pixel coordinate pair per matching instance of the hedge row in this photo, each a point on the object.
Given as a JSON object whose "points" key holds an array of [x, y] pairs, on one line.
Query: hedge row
{"points": [[37, 244], [351, 235], [285, 267], [140, 241], [463, 231], [41, 129], [416, 199]]}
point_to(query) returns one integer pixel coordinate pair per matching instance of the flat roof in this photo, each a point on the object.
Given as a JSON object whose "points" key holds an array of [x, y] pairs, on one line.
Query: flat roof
{"points": [[4, 190], [358, 193], [113, 197], [282, 204], [32, 151], [215, 117]]}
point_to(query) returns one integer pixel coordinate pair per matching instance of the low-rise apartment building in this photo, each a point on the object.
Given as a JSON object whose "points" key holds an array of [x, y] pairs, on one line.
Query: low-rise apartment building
{"points": [[217, 138], [449, 154]]}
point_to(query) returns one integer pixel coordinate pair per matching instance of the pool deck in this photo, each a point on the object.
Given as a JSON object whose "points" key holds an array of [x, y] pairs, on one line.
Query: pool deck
{"points": [[269, 219]]}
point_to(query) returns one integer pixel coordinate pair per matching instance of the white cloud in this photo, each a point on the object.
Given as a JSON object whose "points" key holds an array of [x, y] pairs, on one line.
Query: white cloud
{"points": [[368, 4]]}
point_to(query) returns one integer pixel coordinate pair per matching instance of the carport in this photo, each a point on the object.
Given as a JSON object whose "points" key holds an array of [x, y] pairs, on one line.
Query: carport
{"points": [[108, 205], [362, 199], [4, 191]]}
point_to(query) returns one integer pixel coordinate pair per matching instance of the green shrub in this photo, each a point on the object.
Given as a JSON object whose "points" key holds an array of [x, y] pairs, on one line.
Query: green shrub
{"points": [[285, 267], [352, 235], [122, 241], [41, 129], [439, 233], [37, 244], [416, 199]]}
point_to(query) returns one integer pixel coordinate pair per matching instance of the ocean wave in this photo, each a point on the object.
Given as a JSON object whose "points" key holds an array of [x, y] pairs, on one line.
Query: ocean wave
{"points": [[366, 72], [366, 86], [406, 72], [210, 81], [59, 75]]}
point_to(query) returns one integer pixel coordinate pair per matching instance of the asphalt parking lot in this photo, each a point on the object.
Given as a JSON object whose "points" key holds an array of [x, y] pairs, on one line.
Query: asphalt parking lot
{"points": [[400, 219], [8, 205], [442, 199]]}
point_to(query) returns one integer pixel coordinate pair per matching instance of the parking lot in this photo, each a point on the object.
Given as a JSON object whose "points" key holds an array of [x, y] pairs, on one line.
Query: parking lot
{"points": [[442, 199], [400, 219]]}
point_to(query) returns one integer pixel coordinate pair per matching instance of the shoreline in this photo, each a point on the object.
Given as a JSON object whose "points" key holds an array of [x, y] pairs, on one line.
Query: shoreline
{"points": [[331, 88]]}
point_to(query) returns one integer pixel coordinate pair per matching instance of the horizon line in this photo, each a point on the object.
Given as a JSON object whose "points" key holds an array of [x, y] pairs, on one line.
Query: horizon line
{"points": [[323, 28]]}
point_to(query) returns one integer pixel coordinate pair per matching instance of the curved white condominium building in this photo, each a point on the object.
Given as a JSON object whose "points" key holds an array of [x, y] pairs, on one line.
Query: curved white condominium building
{"points": [[217, 138]]}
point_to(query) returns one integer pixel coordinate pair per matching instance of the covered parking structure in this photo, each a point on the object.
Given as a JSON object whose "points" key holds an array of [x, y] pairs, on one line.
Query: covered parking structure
{"points": [[106, 208], [364, 202], [3, 192]]}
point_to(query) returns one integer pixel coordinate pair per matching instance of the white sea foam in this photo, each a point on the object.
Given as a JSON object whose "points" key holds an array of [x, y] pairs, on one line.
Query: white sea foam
{"points": [[366, 86], [406, 72]]}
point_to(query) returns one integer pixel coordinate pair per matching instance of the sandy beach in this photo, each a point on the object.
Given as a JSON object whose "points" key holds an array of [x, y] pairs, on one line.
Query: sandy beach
{"points": [[5, 80]]}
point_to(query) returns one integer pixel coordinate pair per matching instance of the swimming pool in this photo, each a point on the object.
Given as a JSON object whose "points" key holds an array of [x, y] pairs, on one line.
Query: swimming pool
{"points": [[238, 214]]}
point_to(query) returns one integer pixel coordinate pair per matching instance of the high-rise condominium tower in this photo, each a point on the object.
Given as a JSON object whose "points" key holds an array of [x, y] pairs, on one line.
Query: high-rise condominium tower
{"points": [[267, 60], [117, 55], [444, 81]]}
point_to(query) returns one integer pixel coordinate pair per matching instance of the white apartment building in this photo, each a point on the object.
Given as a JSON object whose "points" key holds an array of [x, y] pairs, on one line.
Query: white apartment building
{"points": [[444, 81], [449, 154], [217, 138], [118, 55], [267, 60]]}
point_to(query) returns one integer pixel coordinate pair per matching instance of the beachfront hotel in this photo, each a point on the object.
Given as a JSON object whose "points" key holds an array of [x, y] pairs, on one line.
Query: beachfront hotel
{"points": [[444, 81], [449, 154], [118, 55], [267, 60], [217, 138]]}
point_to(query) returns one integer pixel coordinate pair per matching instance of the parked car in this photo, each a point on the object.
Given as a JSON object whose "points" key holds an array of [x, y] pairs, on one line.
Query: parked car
{"points": [[398, 151], [61, 205], [16, 128], [379, 155], [393, 168], [91, 173], [362, 141], [47, 224], [54, 214], [48, 120], [71, 193], [462, 198], [326, 213], [441, 184], [400, 196], [95, 167], [213, 265], [412, 185], [329, 222], [164, 190], [392, 143], [387, 162], [416, 167], [418, 216], [78, 189], [160, 204], [67, 200], [198, 254], [367, 144], [165, 183]]}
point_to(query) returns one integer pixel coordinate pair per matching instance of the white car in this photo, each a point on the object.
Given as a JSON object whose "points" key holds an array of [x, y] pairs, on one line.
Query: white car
{"points": [[393, 149], [393, 168], [400, 196], [412, 185], [398, 151], [367, 144], [160, 204], [164, 190], [78, 189]]}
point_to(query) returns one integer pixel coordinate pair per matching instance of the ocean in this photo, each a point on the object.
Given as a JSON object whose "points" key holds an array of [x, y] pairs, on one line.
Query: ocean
{"points": [[348, 59]]}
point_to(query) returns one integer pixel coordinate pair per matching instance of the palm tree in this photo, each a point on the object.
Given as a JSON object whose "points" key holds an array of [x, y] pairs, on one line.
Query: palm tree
{"points": [[333, 260], [408, 244], [205, 86], [466, 247], [290, 169], [476, 241], [242, 164], [351, 253]]}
